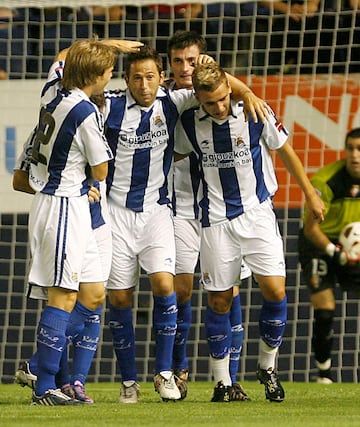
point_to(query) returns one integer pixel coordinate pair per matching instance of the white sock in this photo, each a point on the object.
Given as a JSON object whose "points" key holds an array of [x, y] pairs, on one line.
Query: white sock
{"points": [[324, 366], [220, 370], [267, 356]]}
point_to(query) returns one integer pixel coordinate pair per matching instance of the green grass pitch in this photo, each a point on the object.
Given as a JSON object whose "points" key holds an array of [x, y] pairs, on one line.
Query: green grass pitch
{"points": [[306, 404]]}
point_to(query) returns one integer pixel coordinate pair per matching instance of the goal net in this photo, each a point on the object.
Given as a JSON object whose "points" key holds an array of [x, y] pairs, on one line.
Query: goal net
{"points": [[307, 70]]}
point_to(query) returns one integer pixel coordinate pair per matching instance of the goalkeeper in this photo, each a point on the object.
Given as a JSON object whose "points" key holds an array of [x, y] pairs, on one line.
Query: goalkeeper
{"points": [[324, 262]]}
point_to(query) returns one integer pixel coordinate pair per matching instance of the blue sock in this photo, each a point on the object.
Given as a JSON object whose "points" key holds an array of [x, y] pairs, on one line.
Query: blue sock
{"points": [[85, 345], [184, 316], [51, 342], [63, 376], [164, 322], [237, 337], [74, 329], [33, 363], [122, 330], [272, 322], [77, 321], [218, 333]]}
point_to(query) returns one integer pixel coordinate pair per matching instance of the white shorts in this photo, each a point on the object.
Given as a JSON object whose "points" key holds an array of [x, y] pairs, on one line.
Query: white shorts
{"points": [[64, 248], [187, 243], [104, 250], [245, 271], [140, 239], [104, 242], [254, 236]]}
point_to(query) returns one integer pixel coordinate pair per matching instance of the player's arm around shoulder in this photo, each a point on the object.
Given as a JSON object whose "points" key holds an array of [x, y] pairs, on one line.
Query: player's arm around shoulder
{"points": [[295, 168], [123, 46], [254, 106], [184, 99]]}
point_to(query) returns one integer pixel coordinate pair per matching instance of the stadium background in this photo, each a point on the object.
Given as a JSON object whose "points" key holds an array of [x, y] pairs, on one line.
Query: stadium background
{"points": [[317, 108]]}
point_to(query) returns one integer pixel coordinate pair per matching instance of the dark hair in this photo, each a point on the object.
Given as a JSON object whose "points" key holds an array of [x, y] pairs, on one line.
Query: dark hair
{"points": [[145, 52], [182, 39], [353, 133]]}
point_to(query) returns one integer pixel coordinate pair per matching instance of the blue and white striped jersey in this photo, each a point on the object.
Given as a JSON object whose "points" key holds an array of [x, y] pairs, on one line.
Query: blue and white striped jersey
{"points": [[69, 138], [142, 141], [236, 166], [186, 187], [186, 181]]}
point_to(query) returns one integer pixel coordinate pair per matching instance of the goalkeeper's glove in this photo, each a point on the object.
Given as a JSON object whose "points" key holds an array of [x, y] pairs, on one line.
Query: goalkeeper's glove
{"points": [[340, 255]]}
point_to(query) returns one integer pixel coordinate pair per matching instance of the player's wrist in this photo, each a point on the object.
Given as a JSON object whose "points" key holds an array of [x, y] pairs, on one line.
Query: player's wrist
{"points": [[336, 253], [330, 249]]}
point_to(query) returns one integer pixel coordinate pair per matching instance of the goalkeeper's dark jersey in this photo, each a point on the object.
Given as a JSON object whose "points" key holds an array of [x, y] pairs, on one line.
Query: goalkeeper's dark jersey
{"points": [[341, 195]]}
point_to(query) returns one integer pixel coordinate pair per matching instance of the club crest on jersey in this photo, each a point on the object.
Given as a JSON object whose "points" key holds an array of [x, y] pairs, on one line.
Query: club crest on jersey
{"points": [[157, 121], [206, 278], [168, 262], [204, 144], [239, 141]]}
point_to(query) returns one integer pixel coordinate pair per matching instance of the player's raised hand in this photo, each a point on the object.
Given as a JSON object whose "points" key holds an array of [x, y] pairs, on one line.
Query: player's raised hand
{"points": [[124, 46], [255, 107]]}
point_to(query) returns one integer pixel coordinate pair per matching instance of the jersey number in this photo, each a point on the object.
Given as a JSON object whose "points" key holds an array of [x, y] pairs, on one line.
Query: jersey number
{"points": [[43, 134]]}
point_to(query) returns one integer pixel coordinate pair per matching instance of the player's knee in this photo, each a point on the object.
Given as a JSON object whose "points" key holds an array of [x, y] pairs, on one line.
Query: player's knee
{"points": [[120, 299], [219, 303], [99, 299], [272, 287], [183, 295], [274, 294]]}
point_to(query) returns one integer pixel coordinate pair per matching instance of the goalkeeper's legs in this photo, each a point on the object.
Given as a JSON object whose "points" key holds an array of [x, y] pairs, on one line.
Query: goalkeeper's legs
{"points": [[324, 311]]}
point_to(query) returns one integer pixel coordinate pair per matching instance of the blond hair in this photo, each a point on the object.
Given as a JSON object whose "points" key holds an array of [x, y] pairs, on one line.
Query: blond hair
{"points": [[208, 77], [86, 60]]}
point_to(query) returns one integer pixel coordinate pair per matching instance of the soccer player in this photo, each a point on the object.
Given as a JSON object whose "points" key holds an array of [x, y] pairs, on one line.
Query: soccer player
{"points": [[238, 221], [323, 260], [69, 150], [139, 125], [84, 326], [184, 50]]}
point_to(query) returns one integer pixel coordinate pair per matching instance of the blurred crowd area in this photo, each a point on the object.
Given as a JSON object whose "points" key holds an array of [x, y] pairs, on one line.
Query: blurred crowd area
{"points": [[261, 38]]}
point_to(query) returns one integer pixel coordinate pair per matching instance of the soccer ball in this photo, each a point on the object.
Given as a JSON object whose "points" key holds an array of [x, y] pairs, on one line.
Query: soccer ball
{"points": [[349, 239]]}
